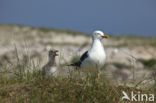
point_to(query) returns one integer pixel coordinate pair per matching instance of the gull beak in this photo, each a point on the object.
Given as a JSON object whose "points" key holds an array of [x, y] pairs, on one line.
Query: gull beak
{"points": [[56, 52], [105, 36]]}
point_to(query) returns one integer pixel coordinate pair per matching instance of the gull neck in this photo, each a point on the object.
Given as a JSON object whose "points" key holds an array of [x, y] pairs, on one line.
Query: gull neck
{"points": [[96, 43]]}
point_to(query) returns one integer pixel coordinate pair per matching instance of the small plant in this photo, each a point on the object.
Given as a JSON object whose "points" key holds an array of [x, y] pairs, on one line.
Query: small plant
{"points": [[121, 65], [148, 63]]}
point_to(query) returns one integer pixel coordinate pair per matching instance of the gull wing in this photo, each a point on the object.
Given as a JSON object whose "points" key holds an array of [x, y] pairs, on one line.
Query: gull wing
{"points": [[83, 57]]}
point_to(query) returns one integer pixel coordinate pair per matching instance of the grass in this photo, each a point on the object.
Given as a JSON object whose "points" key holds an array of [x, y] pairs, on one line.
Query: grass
{"points": [[121, 65], [31, 87], [151, 63], [36, 89], [134, 40], [56, 90], [46, 30]]}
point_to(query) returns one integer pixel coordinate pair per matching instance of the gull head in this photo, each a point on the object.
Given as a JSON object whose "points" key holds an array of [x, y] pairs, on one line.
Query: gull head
{"points": [[98, 35], [53, 53]]}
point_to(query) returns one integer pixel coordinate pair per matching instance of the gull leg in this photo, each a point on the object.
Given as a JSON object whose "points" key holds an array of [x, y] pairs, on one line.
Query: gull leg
{"points": [[98, 75]]}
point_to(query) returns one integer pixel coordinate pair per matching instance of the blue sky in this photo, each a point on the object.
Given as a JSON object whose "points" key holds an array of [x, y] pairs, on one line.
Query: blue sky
{"points": [[111, 16]]}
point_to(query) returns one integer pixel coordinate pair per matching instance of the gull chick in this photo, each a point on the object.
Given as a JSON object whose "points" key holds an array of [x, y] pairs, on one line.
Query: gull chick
{"points": [[50, 69], [95, 57]]}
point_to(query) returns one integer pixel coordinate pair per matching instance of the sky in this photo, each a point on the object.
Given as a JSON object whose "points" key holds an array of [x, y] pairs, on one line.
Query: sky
{"points": [[119, 17]]}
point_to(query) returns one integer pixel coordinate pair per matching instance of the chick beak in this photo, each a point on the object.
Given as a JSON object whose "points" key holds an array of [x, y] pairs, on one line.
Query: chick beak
{"points": [[56, 52], [105, 36]]}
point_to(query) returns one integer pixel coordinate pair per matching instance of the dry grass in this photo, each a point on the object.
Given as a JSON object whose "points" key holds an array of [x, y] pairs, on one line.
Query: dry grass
{"points": [[31, 87], [36, 89]]}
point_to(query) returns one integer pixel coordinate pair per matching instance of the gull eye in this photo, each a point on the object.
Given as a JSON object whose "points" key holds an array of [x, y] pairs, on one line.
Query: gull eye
{"points": [[97, 34]]}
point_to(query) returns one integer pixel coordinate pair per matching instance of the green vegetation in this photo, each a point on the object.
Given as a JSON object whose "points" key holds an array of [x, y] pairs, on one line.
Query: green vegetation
{"points": [[33, 88], [121, 65], [148, 63], [46, 30], [30, 87], [67, 90], [134, 41]]}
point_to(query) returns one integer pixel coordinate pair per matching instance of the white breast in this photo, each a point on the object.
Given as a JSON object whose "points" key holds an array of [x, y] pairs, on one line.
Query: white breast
{"points": [[53, 71], [96, 56]]}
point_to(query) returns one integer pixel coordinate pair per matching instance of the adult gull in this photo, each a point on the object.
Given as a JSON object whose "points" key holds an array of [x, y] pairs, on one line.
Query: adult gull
{"points": [[95, 57]]}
